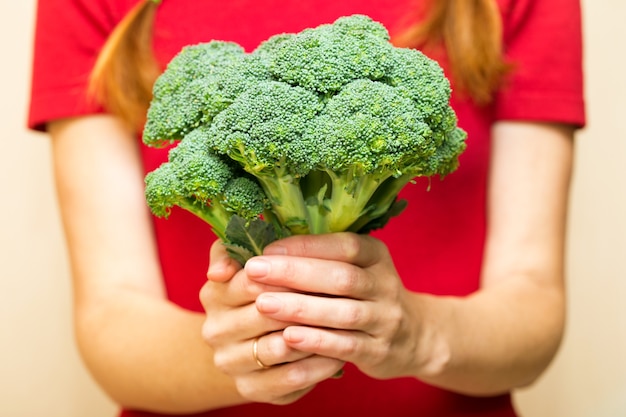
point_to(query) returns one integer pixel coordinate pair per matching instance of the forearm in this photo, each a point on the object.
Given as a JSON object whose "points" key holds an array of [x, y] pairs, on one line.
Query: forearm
{"points": [[505, 335], [491, 342], [144, 351], [148, 354]]}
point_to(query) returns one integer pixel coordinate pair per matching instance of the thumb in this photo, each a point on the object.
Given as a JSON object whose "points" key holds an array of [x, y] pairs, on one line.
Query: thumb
{"points": [[221, 266]]}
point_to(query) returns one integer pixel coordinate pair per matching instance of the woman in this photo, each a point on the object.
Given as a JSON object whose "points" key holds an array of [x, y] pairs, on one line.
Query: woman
{"points": [[442, 313]]}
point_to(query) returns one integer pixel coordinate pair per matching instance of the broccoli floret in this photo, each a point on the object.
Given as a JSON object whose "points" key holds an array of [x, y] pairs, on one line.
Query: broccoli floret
{"points": [[326, 58], [268, 47], [367, 134], [205, 184], [262, 131], [196, 86], [330, 123], [176, 108]]}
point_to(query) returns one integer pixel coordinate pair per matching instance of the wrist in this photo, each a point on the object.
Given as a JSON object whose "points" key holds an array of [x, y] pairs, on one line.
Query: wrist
{"points": [[433, 351]]}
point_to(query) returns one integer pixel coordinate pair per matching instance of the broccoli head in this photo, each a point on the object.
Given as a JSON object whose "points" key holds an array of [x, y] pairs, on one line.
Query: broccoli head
{"points": [[330, 123]]}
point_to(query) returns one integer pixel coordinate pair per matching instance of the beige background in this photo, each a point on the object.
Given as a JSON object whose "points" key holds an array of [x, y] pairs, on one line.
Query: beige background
{"points": [[41, 375]]}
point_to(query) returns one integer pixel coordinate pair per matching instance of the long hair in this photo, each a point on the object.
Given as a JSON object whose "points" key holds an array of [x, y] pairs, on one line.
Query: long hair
{"points": [[124, 73], [470, 32]]}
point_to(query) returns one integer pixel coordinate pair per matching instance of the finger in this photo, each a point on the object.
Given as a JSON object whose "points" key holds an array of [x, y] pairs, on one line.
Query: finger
{"points": [[313, 276], [221, 266], [371, 355], [227, 327], [236, 292], [271, 350], [356, 347], [335, 313], [286, 383], [359, 250]]}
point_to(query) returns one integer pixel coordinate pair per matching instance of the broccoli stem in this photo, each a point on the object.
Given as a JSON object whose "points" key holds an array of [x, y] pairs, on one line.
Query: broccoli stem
{"points": [[351, 196], [215, 215], [381, 200], [285, 195]]}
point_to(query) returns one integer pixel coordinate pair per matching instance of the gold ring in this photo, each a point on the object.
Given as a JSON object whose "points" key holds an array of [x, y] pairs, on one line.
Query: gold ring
{"points": [[255, 354]]}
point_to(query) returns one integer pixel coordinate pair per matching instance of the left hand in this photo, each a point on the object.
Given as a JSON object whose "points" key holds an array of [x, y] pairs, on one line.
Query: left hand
{"points": [[248, 346], [347, 301]]}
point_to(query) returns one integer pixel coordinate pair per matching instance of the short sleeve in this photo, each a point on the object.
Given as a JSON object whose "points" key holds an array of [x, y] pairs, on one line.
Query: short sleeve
{"points": [[543, 42], [68, 37]]}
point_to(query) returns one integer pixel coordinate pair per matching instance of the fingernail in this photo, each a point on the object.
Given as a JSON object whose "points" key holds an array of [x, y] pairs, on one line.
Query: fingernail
{"points": [[268, 304], [257, 268]]}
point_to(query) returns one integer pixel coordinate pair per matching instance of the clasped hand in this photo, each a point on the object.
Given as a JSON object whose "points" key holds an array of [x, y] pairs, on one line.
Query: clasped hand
{"points": [[310, 304]]}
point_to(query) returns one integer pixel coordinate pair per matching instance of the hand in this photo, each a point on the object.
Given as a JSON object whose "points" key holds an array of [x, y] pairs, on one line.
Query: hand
{"points": [[347, 301], [232, 326]]}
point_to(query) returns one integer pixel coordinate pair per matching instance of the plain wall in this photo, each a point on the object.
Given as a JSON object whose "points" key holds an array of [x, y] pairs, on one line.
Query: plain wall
{"points": [[41, 374]]}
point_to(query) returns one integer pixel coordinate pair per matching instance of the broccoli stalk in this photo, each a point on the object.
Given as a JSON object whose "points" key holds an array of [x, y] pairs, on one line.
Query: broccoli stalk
{"points": [[355, 208], [285, 195], [328, 124], [335, 201]]}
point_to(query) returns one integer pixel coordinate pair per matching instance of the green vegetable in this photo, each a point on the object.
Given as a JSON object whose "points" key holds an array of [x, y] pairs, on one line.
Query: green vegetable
{"points": [[314, 132]]}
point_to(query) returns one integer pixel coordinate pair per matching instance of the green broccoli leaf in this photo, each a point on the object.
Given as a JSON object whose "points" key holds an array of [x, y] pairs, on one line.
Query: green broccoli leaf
{"points": [[248, 238], [396, 208]]}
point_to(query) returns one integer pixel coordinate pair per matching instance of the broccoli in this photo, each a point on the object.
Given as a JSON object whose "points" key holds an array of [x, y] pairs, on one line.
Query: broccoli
{"points": [[204, 183], [324, 127], [262, 130], [178, 105]]}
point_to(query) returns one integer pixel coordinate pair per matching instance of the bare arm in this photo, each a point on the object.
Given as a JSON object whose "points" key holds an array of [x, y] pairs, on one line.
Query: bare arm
{"points": [[500, 338], [506, 334], [144, 351]]}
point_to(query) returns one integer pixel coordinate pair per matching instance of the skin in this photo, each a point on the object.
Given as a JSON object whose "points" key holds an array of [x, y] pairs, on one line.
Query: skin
{"points": [[144, 351], [148, 353], [346, 301]]}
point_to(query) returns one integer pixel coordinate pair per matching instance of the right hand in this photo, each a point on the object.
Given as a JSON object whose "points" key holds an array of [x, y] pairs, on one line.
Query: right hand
{"points": [[232, 326]]}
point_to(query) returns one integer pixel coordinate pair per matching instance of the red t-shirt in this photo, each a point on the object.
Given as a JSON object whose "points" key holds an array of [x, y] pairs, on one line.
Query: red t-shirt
{"points": [[437, 243]]}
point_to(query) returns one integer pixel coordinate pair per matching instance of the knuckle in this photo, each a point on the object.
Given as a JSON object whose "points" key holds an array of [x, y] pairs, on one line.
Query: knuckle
{"points": [[298, 309], [350, 245], [252, 390], [275, 348], [395, 319], [221, 361], [318, 341], [384, 349], [378, 244], [350, 347], [353, 315], [347, 280], [376, 357], [296, 377], [205, 294], [248, 287], [302, 244], [213, 334], [390, 325], [246, 389], [287, 269], [209, 333]]}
